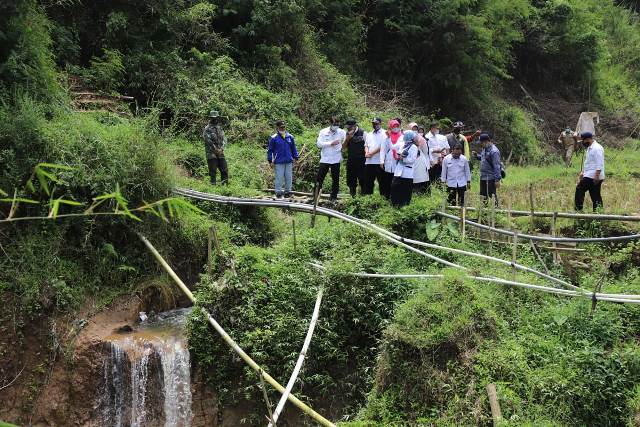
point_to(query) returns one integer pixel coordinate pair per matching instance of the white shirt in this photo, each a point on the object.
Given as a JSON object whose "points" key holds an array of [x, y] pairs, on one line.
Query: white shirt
{"points": [[330, 154], [404, 167], [594, 160], [386, 156], [374, 141], [455, 172], [422, 165], [434, 145]]}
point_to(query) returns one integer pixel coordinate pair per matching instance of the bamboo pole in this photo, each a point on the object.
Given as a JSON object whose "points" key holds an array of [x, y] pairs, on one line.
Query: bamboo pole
{"points": [[514, 254], [546, 214], [531, 205], [496, 414], [209, 245], [463, 224], [231, 343], [316, 196], [293, 227], [303, 353], [553, 234], [535, 251]]}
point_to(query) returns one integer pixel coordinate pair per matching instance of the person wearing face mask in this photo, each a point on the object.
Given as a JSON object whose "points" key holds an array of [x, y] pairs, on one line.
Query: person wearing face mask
{"points": [[354, 145], [421, 166], [592, 175], [437, 151], [456, 175], [330, 140], [402, 184], [388, 156], [373, 143], [456, 136], [281, 154]]}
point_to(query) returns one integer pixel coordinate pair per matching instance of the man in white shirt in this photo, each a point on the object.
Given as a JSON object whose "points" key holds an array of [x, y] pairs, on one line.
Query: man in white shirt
{"points": [[438, 148], [456, 174], [592, 175], [330, 141], [373, 142]]}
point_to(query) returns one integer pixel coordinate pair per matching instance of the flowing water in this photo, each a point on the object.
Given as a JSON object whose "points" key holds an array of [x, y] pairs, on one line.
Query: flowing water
{"points": [[147, 375]]}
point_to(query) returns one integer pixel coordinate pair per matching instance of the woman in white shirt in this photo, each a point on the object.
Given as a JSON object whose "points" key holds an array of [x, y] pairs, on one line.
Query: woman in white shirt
{"points": [[402, 184], [388, 154], [421, 167]]}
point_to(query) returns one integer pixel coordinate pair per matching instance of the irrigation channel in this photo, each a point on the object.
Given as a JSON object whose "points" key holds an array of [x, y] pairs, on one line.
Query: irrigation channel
{"points": [[407, 244]]}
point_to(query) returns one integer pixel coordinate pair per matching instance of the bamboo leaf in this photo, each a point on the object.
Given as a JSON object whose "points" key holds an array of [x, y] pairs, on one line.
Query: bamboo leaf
{"points": [[55, 166], [43, 183], [55, 205], [2, 193], [432, 229], [20, 200], [69, 202]]}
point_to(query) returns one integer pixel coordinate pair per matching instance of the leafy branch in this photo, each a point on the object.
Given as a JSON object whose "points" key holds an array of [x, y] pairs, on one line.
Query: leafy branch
{"points": [[45, 175]]}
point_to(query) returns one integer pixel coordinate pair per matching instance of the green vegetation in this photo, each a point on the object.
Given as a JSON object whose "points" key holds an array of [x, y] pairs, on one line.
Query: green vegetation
{"points": [[386, 351]]}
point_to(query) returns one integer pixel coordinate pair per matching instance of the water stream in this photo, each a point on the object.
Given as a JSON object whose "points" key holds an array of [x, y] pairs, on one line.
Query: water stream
{"points": [[147, 375]]}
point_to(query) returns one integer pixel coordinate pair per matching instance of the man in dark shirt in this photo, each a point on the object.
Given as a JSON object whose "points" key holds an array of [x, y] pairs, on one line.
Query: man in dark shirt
{"points": [[354, 144], [214, 142]]}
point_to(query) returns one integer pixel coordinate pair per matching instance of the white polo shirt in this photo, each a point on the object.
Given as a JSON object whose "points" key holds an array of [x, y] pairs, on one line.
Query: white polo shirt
{"points": [[330, 154], [455, 172], [594, 160], [374, 140]]}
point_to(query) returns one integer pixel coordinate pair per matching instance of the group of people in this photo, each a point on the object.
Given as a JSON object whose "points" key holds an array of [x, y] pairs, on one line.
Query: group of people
{"points": [[401, 161]]}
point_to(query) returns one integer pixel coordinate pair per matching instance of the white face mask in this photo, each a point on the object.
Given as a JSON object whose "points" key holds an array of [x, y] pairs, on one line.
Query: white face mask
{"points": [[395, 130], [334, 128]]}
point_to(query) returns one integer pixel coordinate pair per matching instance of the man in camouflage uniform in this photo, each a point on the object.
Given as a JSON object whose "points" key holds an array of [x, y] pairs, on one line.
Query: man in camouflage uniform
{"points": [[214, 141]]}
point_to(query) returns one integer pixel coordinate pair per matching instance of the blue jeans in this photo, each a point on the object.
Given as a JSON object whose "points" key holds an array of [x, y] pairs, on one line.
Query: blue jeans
{"points": [[284, 172]]}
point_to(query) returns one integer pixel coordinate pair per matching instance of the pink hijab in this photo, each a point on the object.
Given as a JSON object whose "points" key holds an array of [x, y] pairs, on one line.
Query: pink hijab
{"points": [[394, 136]]}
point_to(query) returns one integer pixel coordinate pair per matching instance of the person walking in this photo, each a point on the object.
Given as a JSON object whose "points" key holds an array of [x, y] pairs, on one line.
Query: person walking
{"points": [[456, 174], [569, 143], [373, 143], [592, 175], [490, 168], [330, 141], [214, 142], [354, 145], [282, 154], [402, 184], [388, 156]]}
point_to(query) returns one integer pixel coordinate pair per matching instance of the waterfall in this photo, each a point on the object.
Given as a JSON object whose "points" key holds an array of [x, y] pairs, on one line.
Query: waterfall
{"points": [[147, 375]]}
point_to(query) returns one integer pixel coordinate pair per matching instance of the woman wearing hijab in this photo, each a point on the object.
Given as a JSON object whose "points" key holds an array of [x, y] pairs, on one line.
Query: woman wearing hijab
{"points": [[402, 184], [421, 167], [388, 156]]}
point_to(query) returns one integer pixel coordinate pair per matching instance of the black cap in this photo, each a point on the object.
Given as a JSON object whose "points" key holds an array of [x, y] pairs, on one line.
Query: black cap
{"points": [[376, 120], [434, 125], [350, 122]]}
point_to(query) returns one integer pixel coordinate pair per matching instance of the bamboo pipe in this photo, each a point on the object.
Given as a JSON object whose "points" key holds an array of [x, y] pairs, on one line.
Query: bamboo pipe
{"points": [[248, 360], [584, 294], [364, 224], [496, 413], [303, 353], [544, 214], [626, 238]]}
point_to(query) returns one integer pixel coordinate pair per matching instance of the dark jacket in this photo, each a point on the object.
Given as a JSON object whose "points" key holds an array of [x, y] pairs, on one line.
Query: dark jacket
{"points": [[355, 149], [490, 163], [214, 141], [282, 150]]}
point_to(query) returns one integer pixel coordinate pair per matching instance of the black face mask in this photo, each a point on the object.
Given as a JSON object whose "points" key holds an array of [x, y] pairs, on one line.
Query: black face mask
{"points": [[585, 144]]}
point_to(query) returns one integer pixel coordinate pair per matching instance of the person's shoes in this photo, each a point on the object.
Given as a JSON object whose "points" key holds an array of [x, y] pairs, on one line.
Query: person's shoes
{"points": [[278, 196], [287, 194]]}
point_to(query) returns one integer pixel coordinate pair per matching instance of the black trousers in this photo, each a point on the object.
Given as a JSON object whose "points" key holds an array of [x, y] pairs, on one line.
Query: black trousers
{"points": [[401, 190], [355, 174], [385, 183], [456, 192], [593, 187], [372, 172], [214, 165], [488, 189], [421, 187], [434, 174], [335, 177]]}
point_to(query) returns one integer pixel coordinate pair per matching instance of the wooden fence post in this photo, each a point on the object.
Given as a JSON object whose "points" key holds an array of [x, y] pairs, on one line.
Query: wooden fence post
{"points": [[531, 205], [464, 221], [514, 254], [316, 196], [553, 234], [209, 244], [293, 227], [496, 414]]}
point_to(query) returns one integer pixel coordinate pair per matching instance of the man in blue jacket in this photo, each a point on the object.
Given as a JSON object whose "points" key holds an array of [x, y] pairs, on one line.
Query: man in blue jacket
{"points": [[282, 153], [490, 169]]}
